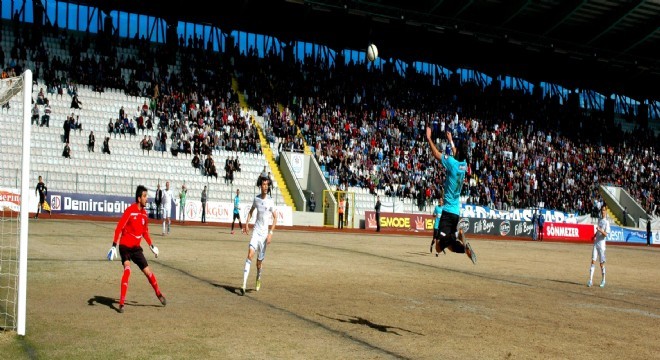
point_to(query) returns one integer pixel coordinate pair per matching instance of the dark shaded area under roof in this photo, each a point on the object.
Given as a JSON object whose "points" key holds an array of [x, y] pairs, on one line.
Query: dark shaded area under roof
{"points": [[607, 46]]}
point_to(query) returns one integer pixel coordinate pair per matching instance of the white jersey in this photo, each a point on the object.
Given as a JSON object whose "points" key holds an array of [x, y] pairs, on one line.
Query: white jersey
{"points": [[167, 198], [264, 208], [604, 225], [600, 241]]}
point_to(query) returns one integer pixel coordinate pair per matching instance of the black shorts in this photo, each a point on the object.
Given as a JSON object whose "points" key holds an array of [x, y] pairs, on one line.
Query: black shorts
{"points": [[449, 226], [436, 233], [236, 217], [134, 254]]}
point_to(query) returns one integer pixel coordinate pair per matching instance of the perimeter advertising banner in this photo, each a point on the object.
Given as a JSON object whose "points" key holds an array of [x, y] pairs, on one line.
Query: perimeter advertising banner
{"points": [[621, 234], [112, 205], [570, 232], [495, 227]]}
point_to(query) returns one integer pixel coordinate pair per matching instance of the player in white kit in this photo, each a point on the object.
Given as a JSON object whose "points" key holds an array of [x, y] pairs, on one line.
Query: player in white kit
{"points": [[261, 235], [167, 208], [602, 230]]}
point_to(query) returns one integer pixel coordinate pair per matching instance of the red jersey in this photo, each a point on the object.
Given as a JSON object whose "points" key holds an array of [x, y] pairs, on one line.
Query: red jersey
{"points": [[134, 225]]}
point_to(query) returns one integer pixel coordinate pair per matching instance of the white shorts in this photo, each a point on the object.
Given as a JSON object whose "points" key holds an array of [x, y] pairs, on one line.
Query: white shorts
{"points": [[167, 212], [258, 243], [599, 252]]}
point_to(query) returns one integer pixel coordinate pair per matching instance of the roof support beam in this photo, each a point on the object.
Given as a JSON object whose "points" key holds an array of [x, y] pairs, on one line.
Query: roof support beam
{"points": [[572, 9], [518, 11], [463, 8], [642, 40], [620, 18]]}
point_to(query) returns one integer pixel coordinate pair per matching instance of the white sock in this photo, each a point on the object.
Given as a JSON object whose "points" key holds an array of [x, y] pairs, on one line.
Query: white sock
{"points": [[163, 227], [591, 272], [258, 273], [246, 271], [602, 271]]}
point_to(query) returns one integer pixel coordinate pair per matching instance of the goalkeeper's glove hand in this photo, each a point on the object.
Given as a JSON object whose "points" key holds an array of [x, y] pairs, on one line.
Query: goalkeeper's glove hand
{"points": [[154, 249], [112, 254]]}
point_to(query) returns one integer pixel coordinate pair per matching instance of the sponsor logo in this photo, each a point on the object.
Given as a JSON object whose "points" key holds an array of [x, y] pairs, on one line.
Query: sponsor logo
{"points": [[505, 227], [616, 235], [483, 226], [191, 211], [396, 222], [56, 202], [522, 228], [6, 196], [562, 231], [464, 224]]}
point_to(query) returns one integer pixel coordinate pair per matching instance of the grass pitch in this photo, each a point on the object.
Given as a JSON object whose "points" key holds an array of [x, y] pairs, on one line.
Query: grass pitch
{"points": [[330, 295]]}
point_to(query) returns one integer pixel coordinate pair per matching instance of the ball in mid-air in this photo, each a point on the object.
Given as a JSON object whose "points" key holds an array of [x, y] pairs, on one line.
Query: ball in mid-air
{"points": [[372, 52]]}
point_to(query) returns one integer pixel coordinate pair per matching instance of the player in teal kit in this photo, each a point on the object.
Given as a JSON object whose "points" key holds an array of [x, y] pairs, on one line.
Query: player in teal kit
{"points": [[237, 211], [455, 168], [437, 212]]}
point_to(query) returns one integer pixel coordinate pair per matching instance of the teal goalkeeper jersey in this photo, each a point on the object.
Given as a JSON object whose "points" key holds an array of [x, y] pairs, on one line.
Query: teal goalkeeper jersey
{"points": [[236, 205], [455, 173], [437, 212]]}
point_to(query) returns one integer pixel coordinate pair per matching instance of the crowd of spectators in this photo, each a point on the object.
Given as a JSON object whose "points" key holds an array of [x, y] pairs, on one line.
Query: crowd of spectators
{"points": [[526, 149], [365, 125]]}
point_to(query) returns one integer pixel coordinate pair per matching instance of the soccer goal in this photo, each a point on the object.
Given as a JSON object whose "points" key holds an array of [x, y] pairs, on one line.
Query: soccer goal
{"points": [[14, 200]]}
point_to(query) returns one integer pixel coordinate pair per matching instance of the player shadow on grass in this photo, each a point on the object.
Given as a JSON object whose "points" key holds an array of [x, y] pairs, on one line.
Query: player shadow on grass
{"points": [[232, 289], [361, 321], [112, 303], [566, 282]]}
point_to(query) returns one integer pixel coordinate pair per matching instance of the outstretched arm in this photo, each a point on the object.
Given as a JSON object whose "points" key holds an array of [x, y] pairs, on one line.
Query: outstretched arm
{"points": [[434, 150]]}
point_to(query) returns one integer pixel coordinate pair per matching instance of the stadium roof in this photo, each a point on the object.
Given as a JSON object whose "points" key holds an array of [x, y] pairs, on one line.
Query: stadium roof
{"points": [[611, 46]]}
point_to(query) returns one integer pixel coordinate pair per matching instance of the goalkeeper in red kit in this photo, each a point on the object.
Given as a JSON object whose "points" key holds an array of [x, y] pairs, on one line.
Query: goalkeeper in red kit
{"points": [[133, 226]]}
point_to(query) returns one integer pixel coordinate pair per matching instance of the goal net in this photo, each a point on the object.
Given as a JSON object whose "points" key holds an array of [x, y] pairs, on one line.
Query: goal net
{"points": [[14, 199]]}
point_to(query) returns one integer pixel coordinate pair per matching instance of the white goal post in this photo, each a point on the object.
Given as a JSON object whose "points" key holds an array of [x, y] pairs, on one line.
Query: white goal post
{"points": [[14, 241]]}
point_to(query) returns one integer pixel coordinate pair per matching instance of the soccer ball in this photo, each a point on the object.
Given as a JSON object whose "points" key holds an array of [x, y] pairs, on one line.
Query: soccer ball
{"points": [[372, 52]]}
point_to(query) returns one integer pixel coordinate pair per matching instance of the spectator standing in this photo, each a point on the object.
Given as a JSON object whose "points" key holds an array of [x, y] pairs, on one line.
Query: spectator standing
{"points": [[534, 226], [167, 208], [182, 203], [377, 208], [203, 199], [342, 207], [91, 141], [67, 129], [312, 202], [541, 223], [648, 229], [625, 216], [159, 200]]}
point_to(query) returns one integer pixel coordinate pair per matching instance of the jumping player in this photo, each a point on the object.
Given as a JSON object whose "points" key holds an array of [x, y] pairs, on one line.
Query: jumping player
{"points": [[455, 168], [131, 228]]}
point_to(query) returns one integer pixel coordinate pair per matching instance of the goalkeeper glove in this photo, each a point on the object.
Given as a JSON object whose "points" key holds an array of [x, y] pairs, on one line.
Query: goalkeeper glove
{"points": [[154, 250], [112, 254]]}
